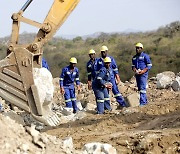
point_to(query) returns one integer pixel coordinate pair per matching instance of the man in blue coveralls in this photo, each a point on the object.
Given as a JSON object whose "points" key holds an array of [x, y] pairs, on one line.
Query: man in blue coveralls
{"points": [[91, 68], [69, 75], [115, 79], [44, 63], [141, 64], [101, 86]]}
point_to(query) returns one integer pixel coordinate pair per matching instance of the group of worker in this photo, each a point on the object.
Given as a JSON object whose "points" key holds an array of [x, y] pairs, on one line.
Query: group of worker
{"points": [[102, 77]]}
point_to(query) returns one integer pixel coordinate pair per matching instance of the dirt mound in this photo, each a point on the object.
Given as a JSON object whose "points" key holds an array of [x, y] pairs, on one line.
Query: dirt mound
{"points": [[154, 128], [151, 128]]}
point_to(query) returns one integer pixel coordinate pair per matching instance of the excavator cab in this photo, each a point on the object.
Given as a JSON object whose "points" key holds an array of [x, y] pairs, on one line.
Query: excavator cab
{"points": [[16, 69]]}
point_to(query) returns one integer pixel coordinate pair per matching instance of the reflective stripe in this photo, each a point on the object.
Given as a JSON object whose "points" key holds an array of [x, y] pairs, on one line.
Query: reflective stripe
{"points": [[143, 91], [89, 73], [77, 79], [97, 72], [141, 57], [117, 95], [73, 99], [106, 99], [100, 62], [61, 79], [134, 58], [115, 69], [68, 73], [89, 65], [149, 64], [133, 65], [68, 100], [99, 78], [100, 101]]}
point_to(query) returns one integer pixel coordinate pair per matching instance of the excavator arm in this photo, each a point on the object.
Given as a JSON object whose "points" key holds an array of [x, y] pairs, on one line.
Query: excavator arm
{"points": [[16, 70]]}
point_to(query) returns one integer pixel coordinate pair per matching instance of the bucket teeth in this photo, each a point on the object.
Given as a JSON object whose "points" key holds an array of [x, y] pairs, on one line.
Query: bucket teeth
{"points": [[50, 119]]}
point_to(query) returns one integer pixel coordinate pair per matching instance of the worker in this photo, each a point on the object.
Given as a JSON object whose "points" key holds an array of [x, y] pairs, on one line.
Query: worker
{"points": [[141, 64], [115, 78], [44, 63], [91, 68], [69, 75], [1, 108], [101, 86]]}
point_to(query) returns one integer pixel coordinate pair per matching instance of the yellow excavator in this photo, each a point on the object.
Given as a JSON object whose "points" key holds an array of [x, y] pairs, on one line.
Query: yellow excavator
{"points": [[16, 69]]}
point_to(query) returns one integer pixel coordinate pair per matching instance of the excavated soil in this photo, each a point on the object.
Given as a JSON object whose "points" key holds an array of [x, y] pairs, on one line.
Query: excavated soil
{"points": [[152, 128]]}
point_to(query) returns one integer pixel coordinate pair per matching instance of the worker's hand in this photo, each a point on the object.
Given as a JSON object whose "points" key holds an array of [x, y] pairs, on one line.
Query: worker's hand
{"points": [[117, 79], [143, 71], [89, 85], [78, 88], [62, 90], [108, 86]]}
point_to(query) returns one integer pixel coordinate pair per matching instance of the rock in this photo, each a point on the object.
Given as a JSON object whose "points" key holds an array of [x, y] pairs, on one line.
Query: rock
{"points": [[32, 131], [97, 148], [165, 79], [90, 107], [133, 100], [44, 83], [67, 111], [176, 84], [79, 105], [79, 115], [68, 145]]}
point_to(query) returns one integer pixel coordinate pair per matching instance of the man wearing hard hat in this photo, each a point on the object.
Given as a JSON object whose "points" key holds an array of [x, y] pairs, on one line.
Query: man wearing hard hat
{"points": [[141, 64], [69, 75], [115, 79], [101, 86], [91, 67]]}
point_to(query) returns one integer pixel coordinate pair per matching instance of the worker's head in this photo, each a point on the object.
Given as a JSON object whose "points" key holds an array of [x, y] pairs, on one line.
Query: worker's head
{"points": [[139, 47], [107, 62], [104, 51], [92, 54], [73, 62]]}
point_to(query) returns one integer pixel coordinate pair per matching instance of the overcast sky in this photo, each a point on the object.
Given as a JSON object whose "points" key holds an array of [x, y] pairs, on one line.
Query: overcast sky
{"points": [[92, 16]]}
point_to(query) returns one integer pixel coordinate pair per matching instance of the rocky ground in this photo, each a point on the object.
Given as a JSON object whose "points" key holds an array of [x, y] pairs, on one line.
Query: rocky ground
{"points": [[154, 128]]}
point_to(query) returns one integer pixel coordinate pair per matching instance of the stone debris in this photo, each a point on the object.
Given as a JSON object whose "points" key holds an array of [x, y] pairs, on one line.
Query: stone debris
{"points": [[176, 84], [98, 148], [20, 131], [133, 100], [165, 79]]}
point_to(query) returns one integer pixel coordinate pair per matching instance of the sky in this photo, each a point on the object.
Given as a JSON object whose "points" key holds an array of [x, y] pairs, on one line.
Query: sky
{"points": [[91, 16]]}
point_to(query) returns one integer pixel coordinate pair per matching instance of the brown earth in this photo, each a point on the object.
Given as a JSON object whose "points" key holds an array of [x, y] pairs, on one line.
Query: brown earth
{"points": [[154, 128]]}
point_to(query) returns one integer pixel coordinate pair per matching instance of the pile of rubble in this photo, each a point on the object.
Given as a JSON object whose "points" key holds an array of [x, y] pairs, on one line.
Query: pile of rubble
{"points": [[20, 132]]}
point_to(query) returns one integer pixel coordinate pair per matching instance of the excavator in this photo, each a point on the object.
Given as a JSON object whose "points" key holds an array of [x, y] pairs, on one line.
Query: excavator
{"points": [[16, 69]]}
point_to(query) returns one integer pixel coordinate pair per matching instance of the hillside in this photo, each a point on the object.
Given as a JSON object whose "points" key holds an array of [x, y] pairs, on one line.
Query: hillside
{"points": [[163, 46]]}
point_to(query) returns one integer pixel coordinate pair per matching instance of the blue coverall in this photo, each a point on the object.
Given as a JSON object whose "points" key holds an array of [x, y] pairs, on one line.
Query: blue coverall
{"points": [[44, 63], [141, 62], [67, 80], [100, 91], [115, 90], [91, 69]]}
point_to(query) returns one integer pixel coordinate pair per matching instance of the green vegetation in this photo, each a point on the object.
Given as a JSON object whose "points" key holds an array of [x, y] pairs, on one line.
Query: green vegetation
{"points": [[162, 45]]}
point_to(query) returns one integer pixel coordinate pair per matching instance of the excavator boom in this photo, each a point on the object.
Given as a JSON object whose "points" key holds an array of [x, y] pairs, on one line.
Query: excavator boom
{"points": [[16, 70]]}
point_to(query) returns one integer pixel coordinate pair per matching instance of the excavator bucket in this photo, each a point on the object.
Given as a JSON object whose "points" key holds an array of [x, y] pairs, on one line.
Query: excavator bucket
{"points": [[18, 88]]}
